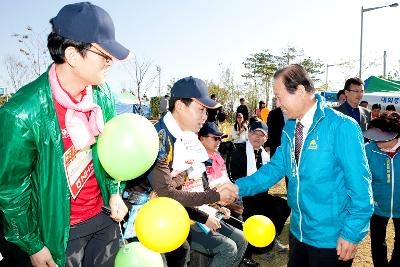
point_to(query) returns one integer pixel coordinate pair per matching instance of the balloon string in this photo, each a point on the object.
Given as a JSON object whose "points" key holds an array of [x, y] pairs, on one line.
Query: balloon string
{"points": [[119, 224], [231, 217]]}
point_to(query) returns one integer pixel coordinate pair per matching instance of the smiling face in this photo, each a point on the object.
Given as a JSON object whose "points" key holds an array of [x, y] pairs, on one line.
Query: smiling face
{"points": [[257, 138], [211, 142], [293, 105], [191, 117]]}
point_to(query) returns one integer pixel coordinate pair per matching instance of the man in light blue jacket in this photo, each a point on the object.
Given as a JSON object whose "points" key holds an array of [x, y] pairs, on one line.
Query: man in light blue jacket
{"points": [[329, 190]]}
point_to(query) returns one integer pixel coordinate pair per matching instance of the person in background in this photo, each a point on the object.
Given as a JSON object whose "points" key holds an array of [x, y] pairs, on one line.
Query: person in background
{"points": [[275, 122], [240, 129], [384, 160], [341, 97], [242, 108], [354, 90], [52, 185], [261, 105], [227, 146], [375, 111], [390, 108], [246, 160], [212, 113], [262, 111], [364, 104], [164, 105], [329, 191]]}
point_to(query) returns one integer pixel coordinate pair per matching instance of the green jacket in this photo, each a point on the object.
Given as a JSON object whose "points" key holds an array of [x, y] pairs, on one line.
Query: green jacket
{"points": [[34, 193]]}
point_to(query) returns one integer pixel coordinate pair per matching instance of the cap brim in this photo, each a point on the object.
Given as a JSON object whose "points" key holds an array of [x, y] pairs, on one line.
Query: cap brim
{"points": [[116, 50], [261, 130], [376, 134], [207, 102]]}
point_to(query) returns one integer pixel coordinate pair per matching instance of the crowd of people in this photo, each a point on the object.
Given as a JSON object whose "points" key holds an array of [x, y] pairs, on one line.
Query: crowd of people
{"points": [[341, 165]]}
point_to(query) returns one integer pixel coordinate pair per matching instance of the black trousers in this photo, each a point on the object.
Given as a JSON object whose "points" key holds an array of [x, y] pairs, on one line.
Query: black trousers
{"points": [[94, 242], [378, 241], [303, 255], [179, 257]]}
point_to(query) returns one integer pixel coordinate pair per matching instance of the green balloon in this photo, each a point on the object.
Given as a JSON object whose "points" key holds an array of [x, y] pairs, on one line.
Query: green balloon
{"points": [[128, 146], [135, 254]]}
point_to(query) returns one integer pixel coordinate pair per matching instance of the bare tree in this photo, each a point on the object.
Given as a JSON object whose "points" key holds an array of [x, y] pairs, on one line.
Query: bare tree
{"points": [[17, 72], [139, 73], [33, 47]]}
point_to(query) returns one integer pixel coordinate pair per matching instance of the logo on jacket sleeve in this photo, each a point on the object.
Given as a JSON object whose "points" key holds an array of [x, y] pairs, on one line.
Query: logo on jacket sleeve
{"points": [[313, 145]]}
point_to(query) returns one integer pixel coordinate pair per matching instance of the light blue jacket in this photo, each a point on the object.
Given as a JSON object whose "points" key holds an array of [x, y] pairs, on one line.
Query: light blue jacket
{"points": [[330, 192], [385, 181]]}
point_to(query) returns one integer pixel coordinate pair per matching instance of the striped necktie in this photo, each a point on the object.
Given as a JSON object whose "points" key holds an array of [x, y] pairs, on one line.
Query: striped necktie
{"points": [[298, 140]]}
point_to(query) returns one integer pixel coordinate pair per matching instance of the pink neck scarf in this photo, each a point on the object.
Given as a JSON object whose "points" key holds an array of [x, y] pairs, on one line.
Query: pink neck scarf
{"points": [[81, 130], [217, 163]]}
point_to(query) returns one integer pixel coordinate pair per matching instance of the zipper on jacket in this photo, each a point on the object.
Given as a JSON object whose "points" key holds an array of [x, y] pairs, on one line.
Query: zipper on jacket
{"points": [[298, 187], [391, 201], [392, 177]]}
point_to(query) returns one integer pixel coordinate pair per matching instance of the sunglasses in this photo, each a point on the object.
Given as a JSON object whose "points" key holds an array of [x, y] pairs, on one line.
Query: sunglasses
{"points": [[216, 138], [107, 58]]}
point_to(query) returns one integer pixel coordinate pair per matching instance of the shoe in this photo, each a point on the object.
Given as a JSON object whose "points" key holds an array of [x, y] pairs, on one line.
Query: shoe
{"points": [[248, 262], [268, 256], [279, 247]]}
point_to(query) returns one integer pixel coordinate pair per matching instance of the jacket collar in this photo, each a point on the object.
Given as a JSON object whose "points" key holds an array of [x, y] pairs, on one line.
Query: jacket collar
{"points": [[319, 114]]}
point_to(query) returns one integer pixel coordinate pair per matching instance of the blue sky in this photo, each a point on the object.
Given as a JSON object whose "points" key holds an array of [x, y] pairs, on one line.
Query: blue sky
{"points": [[193, 37]]}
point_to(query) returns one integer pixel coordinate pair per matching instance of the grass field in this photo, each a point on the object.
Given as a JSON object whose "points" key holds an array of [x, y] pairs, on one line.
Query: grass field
{"points": [[363, 256]]}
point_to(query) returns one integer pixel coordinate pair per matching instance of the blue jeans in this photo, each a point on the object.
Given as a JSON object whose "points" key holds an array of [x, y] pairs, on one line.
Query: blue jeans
{"points": [[226, 246]]}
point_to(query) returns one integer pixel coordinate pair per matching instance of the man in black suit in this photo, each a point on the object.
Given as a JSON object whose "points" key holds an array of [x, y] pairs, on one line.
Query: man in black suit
{"points": [[247, 159], [275, 122], [354, 90]]}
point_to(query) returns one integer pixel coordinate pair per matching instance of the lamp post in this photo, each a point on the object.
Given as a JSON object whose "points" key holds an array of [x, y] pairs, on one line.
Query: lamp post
{"points": [[327, 71], [159, 80], [362, 18]]}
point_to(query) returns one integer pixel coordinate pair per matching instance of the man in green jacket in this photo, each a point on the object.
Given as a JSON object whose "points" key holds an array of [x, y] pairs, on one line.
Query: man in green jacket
{"points": [[52, 186]]}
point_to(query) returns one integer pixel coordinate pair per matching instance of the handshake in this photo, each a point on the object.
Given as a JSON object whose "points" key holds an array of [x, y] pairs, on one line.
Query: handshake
{"points": [[228, 193]]}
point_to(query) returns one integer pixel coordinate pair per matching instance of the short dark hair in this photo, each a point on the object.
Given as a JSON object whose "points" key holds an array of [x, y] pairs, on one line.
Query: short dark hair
{"points": [[390, 108], [221, 116], [57, 45], [387, 122], [363, 102], [339, 93], [212, 96], [376, 106], [241, 99], [349, 82], [293, 76], [172, 101]]}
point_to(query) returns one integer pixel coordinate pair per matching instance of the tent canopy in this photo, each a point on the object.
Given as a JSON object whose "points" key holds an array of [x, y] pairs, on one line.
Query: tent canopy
{"points": [[374, 84]]}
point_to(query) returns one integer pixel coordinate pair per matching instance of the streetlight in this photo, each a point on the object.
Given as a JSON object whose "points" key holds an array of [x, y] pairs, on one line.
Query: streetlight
{"points": [[159, 80], [327, 70], [362, 17]]}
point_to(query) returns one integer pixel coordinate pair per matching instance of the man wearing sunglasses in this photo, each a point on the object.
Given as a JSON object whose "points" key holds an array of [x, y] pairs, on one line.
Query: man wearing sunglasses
{"points": [[52, 186], [354, 91]]}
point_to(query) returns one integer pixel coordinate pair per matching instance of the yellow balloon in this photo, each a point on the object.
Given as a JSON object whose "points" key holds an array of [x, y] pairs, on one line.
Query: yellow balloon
{"points": [[162, 224], [259, 231]]}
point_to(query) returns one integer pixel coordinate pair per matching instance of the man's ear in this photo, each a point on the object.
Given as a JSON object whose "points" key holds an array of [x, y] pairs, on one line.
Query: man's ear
{"points": [[71, 56]]}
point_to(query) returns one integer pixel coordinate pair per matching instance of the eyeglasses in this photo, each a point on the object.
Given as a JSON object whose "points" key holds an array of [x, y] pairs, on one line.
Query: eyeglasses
{"points": [[356, 91], [215, 138], [107, 58]]}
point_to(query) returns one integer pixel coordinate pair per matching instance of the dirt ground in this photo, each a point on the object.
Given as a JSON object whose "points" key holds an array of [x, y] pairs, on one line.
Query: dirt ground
{"points": [[363, 256]]}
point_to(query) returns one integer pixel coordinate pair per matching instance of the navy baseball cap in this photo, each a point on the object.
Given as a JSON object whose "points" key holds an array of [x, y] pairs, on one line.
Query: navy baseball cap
{"points": [[211, 128], [88, 23], [376, 134], [259, 126], [195, 89]]}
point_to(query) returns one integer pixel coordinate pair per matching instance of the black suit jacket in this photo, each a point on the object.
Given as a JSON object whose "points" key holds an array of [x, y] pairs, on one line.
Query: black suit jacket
{"points": [[365, 115], [275, 123]]}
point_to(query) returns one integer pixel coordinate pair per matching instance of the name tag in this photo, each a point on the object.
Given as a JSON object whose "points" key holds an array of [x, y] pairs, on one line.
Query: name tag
{"points": [[78, 166]]}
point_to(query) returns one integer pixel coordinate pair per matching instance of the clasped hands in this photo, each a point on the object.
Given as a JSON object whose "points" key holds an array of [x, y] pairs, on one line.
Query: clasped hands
{"points": [[228, 193]]}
